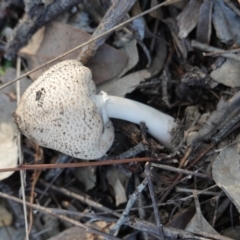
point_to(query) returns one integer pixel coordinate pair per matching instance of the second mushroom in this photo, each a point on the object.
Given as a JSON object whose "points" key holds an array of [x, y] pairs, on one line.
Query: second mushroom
{"points": [[62, 111]]}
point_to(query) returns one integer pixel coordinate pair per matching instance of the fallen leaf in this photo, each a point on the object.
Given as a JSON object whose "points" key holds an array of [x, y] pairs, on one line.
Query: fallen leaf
{"points": [[114, 180], [131, 50], [232, 22], [87, 176], [127, 84], [158, 12], [225, 173], [228, 73], [181, 219], [60, 38], [5, 217], [8, 131], [188, 18], [221, 26]]}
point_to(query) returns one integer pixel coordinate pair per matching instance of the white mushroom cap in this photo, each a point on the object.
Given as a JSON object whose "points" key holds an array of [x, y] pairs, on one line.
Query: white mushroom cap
{"points": [[56, 111]]}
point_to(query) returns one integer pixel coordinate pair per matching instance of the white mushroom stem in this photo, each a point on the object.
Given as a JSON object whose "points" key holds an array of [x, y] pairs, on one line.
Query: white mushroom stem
{"points": [[159, 125]]}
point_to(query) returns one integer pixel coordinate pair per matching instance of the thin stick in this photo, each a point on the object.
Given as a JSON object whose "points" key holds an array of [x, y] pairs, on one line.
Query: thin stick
{"points": [[167, 2], [154, 201], [22, 173], [207, 48], [124, 217]]}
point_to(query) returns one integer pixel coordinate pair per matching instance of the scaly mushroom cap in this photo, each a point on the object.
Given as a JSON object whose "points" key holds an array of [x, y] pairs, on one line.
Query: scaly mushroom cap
{"points": [[56, 112]]}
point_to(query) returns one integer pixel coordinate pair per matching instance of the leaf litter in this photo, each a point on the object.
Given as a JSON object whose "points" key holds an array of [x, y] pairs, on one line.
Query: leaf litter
{"points": [[200, 92]]}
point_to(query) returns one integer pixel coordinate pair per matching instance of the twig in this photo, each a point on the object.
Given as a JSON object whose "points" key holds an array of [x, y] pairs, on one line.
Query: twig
{"points": [[83, 199], [136, 224], [62, 217], [131, 201], [207, 48], [132, 152], [57, 172], [37, 17], [191, 196], [180, 170], [154, 202], [226, 129], [140, 206], [185, 190], [112, 17], [22, 173], [35, 177]]}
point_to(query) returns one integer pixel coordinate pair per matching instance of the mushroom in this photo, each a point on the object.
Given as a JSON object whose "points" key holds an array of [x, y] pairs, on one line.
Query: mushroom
{"points": [[61, 111]]}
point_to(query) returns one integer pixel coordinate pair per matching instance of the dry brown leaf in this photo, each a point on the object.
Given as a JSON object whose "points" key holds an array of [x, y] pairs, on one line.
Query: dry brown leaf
{"points": [[226, 23], [60, 38], [188, 18], [228, 73], [114, 180], [225, 173], [5, 217], [73, 233], [204, 27], [181, 219], [131, 50], [127, 83]]}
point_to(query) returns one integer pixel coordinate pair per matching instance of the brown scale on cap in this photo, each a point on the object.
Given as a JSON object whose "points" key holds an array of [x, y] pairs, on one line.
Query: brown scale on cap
{"points": [[56, 112]]}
